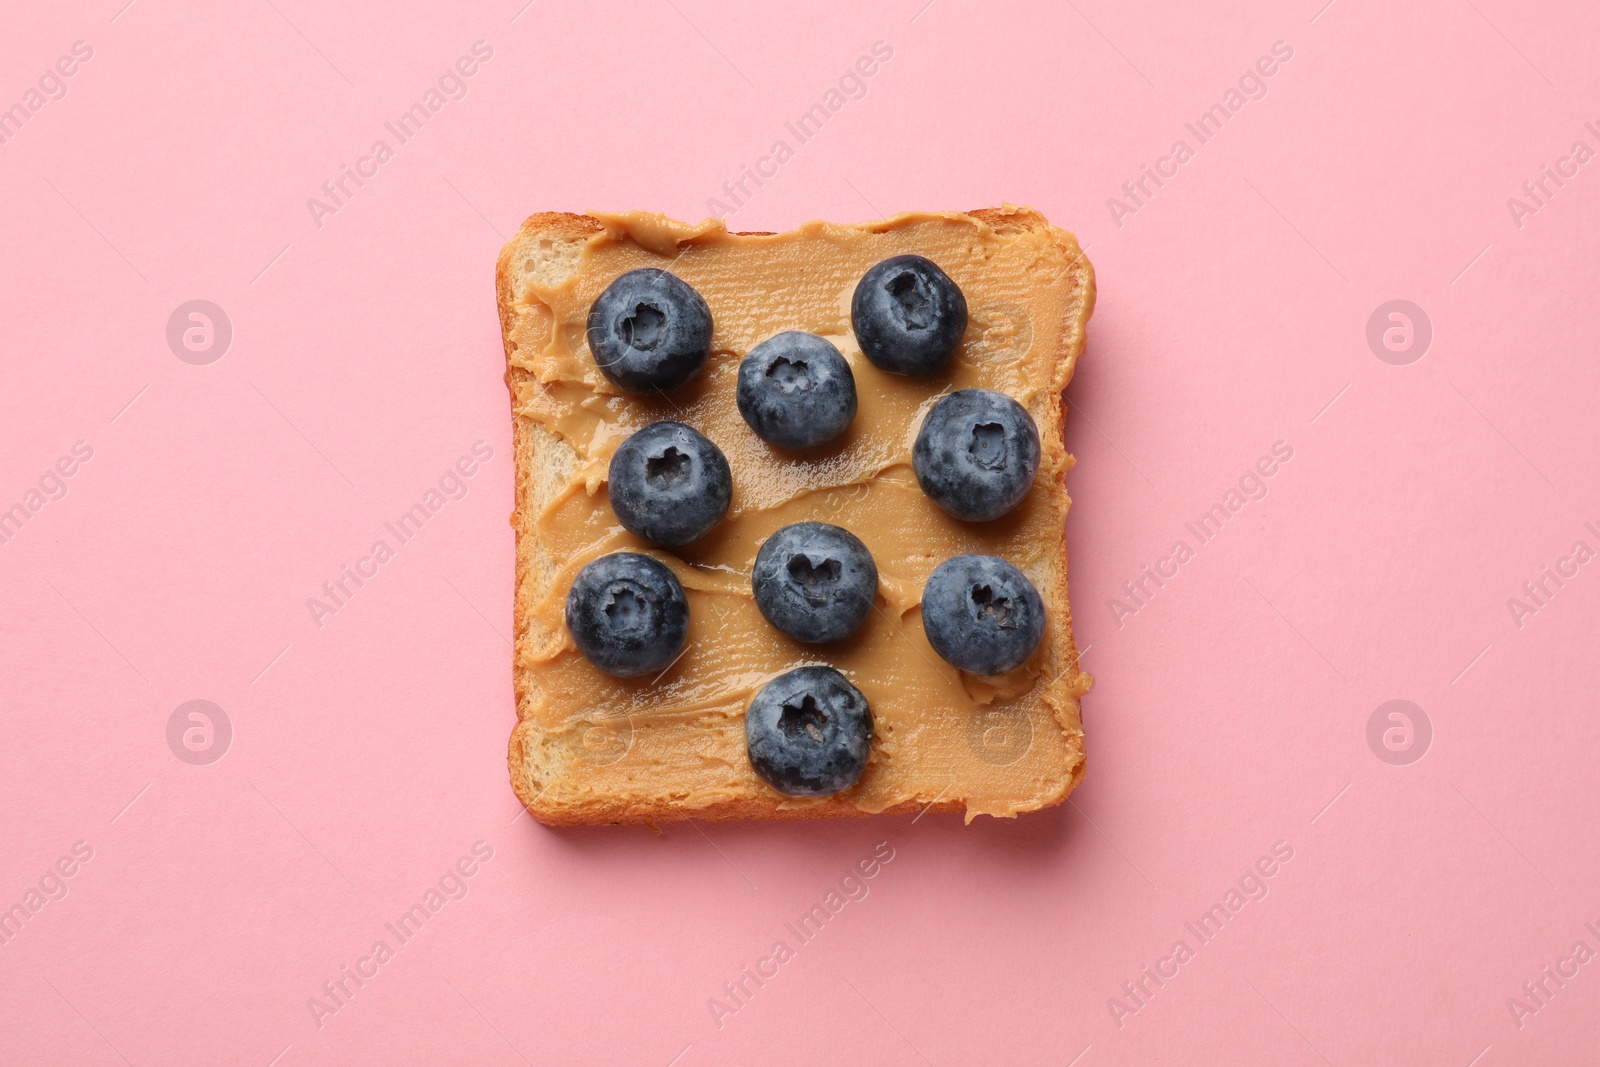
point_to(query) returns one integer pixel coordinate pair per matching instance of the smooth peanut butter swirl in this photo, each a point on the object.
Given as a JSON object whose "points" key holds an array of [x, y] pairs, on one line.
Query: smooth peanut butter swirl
{"points": [[1000, 745]]}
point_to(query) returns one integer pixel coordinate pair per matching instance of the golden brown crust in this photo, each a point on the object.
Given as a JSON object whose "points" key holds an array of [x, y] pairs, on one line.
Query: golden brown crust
{"points": [[542, 462]]}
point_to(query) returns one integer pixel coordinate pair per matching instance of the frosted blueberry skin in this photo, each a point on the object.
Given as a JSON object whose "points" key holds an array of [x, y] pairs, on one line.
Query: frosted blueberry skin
{"points": [[981, 614], [796, 390], [628, 615], [908, 316], [669, 484], [649, 331], [815, 582], [976, 454], [808, 732]]}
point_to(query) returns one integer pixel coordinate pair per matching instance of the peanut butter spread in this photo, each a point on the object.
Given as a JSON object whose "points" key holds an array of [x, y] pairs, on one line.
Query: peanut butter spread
{"points": [[999, 745]]}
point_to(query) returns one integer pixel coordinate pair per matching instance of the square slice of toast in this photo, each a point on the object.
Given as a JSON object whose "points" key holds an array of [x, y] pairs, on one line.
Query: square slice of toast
{"points": [[592, 748]]}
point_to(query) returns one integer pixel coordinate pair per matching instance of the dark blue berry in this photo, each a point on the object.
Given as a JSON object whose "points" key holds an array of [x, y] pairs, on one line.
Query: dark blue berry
{"points": [[809, 732], [982, 614], [815, 582], [649, 331], [908, 316], [796, 390], [627, 614], [669, 484], [976, 454]]}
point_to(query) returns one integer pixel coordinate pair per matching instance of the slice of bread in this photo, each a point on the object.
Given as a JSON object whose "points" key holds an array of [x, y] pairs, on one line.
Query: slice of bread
{"points": [[588, 748]]}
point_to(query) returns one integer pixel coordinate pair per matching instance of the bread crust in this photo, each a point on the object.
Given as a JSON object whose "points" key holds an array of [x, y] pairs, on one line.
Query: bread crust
{"points": [[542, 462]]}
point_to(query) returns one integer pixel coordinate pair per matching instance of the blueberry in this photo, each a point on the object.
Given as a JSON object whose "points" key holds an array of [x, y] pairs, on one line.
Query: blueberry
{"points": [[982, 614], [649, 331], [976, 454], [796, 390], [668, 484], [815, 582], [627, 614], [808, 732], [908, 316]]}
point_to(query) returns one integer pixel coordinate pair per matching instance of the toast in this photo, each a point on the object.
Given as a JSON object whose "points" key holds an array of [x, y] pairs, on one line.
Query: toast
{"points": [[591, 748]]}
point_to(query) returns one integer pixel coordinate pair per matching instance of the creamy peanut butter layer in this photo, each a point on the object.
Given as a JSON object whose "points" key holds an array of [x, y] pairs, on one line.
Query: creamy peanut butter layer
{"points": [[997, 745]]}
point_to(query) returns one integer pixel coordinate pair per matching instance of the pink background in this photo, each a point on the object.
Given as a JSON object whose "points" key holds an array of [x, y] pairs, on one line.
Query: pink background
{"points": [[1230, 711]]}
